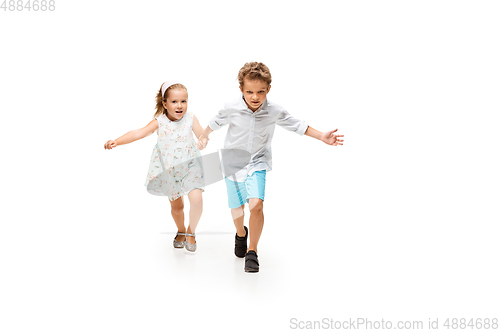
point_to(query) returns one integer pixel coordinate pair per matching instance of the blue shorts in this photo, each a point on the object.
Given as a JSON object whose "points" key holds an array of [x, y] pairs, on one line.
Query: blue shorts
{"points": [[239, 193]]}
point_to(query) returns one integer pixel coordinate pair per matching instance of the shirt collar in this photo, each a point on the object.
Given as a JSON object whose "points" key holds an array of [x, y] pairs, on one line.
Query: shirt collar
{"points": [[244, 105]]}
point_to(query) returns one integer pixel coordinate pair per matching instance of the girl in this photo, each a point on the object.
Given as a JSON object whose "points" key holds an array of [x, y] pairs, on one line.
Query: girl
{"points": [[175, 168]]}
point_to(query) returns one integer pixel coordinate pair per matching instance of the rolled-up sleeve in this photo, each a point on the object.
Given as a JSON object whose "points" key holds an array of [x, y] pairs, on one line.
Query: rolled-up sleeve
{"points": [[219, 120], [290, 123]]}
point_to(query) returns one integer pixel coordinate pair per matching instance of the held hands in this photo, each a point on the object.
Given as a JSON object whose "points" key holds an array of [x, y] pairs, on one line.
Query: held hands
{"points": [[332, 139], [110, 144], [202, 143]]}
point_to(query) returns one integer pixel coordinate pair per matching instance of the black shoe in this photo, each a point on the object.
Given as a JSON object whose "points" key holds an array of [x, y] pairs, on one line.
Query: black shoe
{"points": [[240, 244], [251, 262]]}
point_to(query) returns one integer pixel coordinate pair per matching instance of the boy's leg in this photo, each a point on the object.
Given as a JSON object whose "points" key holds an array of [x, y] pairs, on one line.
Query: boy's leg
{"points": [[240, 240], [256, 187], [236, 194], [177, 210], [256, 222], [238, 219], [196, 208]]}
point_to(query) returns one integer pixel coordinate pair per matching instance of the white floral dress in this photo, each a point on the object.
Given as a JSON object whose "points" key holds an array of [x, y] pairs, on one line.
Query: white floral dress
{"points": [[176, 167]]}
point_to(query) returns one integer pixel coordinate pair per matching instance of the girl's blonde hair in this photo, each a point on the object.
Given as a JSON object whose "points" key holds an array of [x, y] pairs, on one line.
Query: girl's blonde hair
{"points": [[160, 99]]}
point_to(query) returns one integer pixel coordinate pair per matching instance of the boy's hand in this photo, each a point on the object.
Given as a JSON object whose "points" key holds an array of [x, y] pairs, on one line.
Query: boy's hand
{"points": [[330, 138], [110, 144], [202, 143]]}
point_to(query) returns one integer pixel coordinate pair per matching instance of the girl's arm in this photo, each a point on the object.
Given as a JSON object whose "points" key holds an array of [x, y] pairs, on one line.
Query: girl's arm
{"points": [[133, 135], [203, 139], [328, 137], [221, 119], [197, 129]]}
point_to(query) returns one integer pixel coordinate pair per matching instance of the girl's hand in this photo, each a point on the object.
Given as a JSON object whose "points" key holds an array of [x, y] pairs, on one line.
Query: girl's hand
{"points": [[202, 143], [110, 144], [332, 139]]}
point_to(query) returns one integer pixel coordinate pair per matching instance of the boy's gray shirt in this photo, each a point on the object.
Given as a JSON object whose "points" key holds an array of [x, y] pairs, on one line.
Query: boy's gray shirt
{"points": [[251, 133]]}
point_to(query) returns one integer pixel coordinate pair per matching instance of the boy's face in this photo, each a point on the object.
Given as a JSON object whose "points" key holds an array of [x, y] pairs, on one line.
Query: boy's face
{"points": [[254, 92]]}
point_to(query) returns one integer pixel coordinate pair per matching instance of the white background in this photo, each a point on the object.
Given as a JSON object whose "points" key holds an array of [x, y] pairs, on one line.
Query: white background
{"points": [[401, 223]]}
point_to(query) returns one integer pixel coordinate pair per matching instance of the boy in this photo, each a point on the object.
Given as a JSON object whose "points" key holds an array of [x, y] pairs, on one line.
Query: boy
{"points": [[247, 152]]}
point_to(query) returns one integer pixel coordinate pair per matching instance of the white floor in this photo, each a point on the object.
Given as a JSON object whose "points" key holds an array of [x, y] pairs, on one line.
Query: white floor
{"points": [[361, 245], [133, 280]]}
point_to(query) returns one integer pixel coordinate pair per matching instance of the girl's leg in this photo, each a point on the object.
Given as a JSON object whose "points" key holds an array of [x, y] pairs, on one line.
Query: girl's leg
{"points": [[178, 215], [196, 204], [238, 219], [256, 222]]}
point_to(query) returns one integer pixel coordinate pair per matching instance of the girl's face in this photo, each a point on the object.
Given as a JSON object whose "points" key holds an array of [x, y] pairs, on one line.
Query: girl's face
{"points": [[176, 104]]}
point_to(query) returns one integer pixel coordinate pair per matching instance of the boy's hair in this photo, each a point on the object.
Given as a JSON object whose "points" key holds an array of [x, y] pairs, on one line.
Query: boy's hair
{"points": [[159, 98], [254, 71]]}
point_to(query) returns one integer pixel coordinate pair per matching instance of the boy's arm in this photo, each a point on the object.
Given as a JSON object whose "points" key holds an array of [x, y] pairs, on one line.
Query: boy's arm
{"points": [[330, 138], [215, 123], [206, 133], [203, 138], [133, 135], [290, 123]]}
